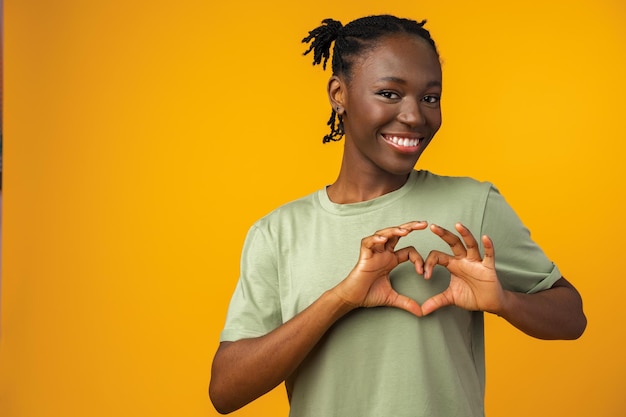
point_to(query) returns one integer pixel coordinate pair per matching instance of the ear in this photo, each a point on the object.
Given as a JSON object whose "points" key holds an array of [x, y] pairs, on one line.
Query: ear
{"points": [[337, 94]]}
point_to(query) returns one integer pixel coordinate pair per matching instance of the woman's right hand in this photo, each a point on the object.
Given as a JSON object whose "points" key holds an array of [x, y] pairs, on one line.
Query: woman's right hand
{"points": [[368, 283]]}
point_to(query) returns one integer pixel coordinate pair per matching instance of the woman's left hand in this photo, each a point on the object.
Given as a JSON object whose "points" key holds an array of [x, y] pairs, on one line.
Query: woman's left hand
{"points": [[474, 284]]}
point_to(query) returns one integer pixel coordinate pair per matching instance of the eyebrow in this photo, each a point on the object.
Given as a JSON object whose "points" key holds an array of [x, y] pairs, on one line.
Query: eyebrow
{"points": [[433, 83]]}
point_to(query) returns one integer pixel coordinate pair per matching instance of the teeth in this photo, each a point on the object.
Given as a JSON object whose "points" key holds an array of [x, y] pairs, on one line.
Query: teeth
{"points": [[404, 141]]}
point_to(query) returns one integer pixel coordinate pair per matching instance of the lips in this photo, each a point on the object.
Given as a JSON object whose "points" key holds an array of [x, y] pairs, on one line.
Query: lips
{"points": [[403, 141]]}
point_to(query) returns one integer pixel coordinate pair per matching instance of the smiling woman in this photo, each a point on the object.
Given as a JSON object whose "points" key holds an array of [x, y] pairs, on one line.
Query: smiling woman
{"points": [[300, 312], [390, 109], [143, 139]]}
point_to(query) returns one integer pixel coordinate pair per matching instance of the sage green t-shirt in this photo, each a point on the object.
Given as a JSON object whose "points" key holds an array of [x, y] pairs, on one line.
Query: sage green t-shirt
{"points": [[381, 362]]}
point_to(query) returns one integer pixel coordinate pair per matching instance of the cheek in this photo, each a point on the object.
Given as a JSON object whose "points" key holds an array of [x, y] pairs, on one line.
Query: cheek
{"points": [[377, 115], [369, 117], [367, 107], [434, 119]]}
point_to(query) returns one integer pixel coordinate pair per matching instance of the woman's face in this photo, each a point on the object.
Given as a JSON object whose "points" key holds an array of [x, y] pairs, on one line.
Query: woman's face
{"points": [[391, 108]]}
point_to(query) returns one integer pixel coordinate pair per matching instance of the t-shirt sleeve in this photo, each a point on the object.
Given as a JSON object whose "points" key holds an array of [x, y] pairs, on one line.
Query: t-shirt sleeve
{"points": [[254, 308], [521, 264]]}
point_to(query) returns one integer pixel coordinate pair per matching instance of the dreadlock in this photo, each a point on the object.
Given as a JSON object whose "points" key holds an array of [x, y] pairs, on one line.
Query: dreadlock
{"points": [[352, 40]]}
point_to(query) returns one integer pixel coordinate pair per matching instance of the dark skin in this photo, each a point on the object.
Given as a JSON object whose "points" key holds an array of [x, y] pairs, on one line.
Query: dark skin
{"points": [[390, 110], [388, 95]]}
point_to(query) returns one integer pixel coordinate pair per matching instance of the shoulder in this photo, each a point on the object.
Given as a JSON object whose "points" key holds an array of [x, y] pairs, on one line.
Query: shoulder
{"points": [[289, 213], [452, 186]]}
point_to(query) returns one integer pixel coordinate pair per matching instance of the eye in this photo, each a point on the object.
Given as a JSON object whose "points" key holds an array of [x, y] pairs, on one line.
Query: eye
{"points": [[390, 95], [431, 99]]}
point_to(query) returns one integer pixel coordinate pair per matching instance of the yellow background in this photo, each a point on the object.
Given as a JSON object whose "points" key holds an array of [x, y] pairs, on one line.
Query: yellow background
{"points": [[142, 139]]}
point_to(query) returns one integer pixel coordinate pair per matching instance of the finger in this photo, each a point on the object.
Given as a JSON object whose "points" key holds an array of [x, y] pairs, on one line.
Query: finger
{"points": [[458, 249], [384, 239], [409, 227], [374, 243], [434, 258], [489, 259], [405, 303], [410, 253], [415, 225], [436, 302], [403, 229], [471, 246], [393, 234], [391, 243]]}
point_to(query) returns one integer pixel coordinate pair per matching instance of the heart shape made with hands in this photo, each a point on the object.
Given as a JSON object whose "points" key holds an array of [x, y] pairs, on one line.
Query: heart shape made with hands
{"points": [[474, 284]]}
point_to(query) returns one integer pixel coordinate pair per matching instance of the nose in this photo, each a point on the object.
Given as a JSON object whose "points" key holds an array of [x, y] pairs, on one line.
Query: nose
{"points": [[410, 113]]}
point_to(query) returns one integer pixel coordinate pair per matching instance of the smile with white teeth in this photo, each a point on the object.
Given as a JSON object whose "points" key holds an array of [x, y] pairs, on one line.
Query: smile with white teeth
{"points": [[400, 141]]}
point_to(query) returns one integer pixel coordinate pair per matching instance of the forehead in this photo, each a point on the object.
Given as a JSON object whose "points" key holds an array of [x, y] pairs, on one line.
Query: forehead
{"points": [[402, 56]]}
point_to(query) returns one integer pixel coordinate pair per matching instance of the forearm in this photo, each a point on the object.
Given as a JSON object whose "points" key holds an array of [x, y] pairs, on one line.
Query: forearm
{"points": [[555, 313], [244, 370]]}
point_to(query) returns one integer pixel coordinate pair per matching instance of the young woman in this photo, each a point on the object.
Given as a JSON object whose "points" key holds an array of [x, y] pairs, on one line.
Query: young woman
{"points": [[299, 312]]}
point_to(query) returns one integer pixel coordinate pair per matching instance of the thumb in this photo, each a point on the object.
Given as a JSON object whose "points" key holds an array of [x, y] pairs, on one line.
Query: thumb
{"points": [[405, 303], [437, 301]]}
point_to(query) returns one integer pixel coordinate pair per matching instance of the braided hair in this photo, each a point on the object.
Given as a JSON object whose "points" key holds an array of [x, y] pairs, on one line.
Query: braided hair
{"points": [[351, 41]]}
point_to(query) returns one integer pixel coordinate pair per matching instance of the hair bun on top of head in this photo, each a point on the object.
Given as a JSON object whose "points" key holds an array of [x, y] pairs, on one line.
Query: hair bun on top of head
{"points": [[321, 39]]}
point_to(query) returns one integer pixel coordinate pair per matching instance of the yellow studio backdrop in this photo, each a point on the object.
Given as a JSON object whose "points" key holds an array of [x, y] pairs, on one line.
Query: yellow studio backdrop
{"points": [[143, 138]]}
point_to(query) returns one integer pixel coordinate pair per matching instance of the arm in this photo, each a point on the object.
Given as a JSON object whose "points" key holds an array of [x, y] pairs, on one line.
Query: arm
{"points": [[555, 313], [248, 368]]}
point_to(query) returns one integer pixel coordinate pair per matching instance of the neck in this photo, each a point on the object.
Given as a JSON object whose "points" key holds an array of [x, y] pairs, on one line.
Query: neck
{"points": [[350, 188]]}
